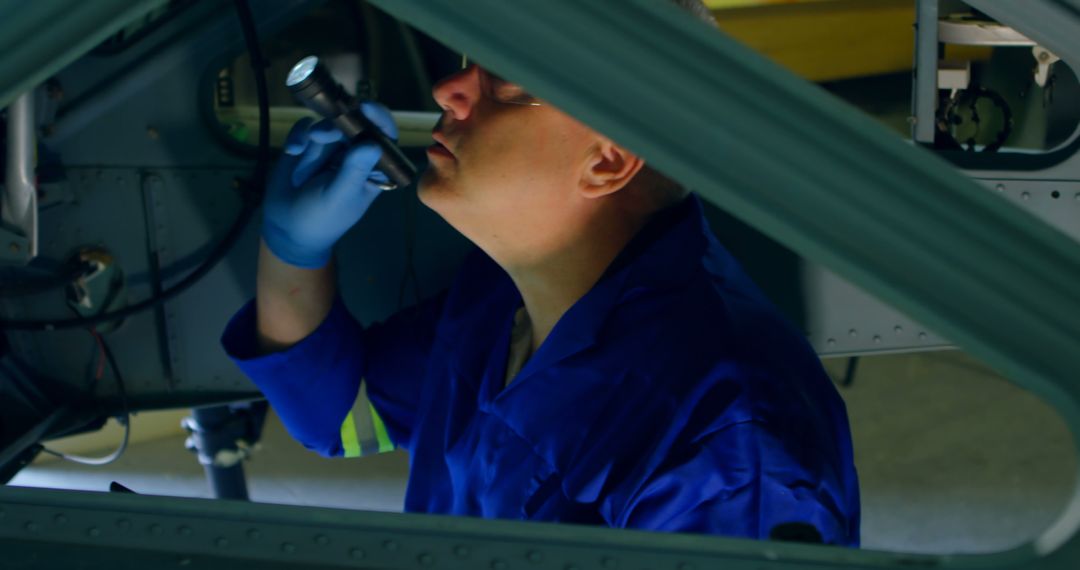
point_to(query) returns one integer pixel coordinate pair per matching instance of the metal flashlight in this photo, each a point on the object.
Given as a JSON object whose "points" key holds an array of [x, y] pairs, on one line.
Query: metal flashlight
{"points": [[313, 86]]}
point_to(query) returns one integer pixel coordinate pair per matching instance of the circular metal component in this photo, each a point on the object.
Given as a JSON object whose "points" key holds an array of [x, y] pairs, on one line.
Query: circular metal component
{"points": [[499, 564], [356, 553], [60, 519], [123, 524], [425, 559], [853, 333], [221, 542], [254, 534], [610, 562], [301, 71], [322, 540], [155, 529], [461, 551], [184, 531], [93, 532], [32, 526], [535, 557], [390, 545], [898, 329], [288, 547]]}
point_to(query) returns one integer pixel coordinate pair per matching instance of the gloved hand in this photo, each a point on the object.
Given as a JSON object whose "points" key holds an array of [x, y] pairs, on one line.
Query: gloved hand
{"points": [[310, 203]]}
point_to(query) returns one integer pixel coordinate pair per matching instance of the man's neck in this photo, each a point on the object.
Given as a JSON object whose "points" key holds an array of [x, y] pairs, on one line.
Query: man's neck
{"points": [[551, 285]]}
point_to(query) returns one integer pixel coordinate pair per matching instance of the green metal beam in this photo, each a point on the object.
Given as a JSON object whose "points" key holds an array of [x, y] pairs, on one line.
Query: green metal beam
{"points": [[37, 39], [46, 527]]}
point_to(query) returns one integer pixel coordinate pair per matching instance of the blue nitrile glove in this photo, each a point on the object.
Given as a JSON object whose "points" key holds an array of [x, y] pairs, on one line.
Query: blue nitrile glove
{"points": [[310, 203]]}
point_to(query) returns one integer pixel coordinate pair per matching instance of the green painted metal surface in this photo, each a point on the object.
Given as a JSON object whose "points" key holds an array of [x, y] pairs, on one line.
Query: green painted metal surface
{"points": [[37, 39]]}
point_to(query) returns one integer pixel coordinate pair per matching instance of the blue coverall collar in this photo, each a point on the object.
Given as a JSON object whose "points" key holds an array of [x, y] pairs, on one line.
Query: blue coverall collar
{"points": [[665, 253]]}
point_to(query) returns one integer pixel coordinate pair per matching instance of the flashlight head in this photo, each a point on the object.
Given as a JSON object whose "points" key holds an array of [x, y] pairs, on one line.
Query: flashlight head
{"points": [[312, 86], [302, 71]]}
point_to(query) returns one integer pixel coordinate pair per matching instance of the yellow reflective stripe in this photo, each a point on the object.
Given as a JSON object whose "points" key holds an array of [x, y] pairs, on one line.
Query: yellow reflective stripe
{"points": [[380, 431], [349, 441]]}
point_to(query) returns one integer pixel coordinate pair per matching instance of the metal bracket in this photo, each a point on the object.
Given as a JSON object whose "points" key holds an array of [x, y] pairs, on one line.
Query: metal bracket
{"points": [[19, 209]]}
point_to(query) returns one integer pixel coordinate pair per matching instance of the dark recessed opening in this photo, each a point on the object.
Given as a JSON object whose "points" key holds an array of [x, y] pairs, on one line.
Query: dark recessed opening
{"points": [[1055, 194]]}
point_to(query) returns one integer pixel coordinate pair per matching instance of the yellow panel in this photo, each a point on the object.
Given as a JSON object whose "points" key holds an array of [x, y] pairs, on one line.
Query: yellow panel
{"points": [[826, 40]]}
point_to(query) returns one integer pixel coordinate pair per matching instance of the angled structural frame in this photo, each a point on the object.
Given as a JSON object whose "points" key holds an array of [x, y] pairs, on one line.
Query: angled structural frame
{"points": [[769, 148]]}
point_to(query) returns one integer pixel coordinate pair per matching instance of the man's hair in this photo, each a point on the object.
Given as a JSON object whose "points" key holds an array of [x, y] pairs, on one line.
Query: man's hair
{"points": [[662, 190]]}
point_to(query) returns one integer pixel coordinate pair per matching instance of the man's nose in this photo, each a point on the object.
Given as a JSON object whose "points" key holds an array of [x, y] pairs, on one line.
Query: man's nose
{"points": [[458, 93]]}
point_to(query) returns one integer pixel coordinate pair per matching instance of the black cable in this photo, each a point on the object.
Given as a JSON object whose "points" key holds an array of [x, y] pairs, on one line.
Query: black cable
{"points": [[247, 24], [126, 421]]}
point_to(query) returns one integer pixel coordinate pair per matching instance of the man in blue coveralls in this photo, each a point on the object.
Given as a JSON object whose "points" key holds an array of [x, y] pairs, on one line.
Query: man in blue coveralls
{"points": [[600, 359]]}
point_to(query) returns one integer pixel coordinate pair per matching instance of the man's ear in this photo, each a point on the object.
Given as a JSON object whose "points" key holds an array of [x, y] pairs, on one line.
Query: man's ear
{"points": [[608, 169]]}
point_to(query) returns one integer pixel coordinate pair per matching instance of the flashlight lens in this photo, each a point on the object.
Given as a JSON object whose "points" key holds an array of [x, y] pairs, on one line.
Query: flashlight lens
{"points": [[301, 70]]}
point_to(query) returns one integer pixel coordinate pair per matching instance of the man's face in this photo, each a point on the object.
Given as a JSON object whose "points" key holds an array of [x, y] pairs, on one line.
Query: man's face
{"points": [[505, 175]]}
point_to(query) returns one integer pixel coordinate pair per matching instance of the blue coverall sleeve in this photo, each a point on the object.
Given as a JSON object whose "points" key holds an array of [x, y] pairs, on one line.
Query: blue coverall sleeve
{"points": [[735, 482], [314, 384]]}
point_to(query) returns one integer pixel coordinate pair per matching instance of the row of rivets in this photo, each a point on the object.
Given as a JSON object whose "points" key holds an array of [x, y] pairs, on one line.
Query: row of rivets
{"points": [[1026, 195], [425, 559], [854, 333]]}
